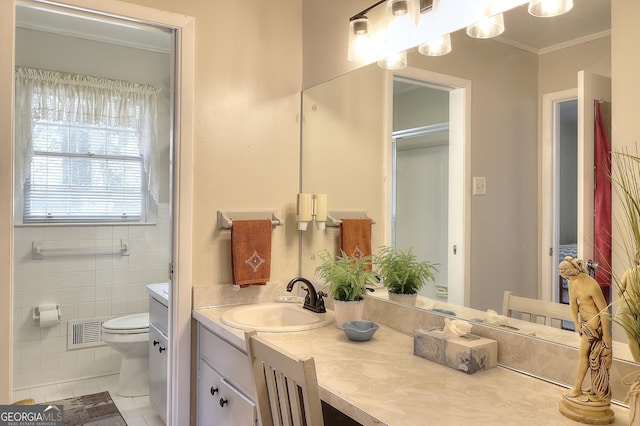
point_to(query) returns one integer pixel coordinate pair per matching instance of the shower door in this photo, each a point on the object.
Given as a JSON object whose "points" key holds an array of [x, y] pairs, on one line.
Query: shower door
{"points": [[421, 198]]}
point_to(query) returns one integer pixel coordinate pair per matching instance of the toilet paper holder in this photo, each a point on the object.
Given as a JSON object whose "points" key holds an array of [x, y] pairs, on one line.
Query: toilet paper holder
{"points": [[44, 309]]}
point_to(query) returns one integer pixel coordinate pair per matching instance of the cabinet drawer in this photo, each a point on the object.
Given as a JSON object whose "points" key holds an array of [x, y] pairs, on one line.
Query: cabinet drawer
{"points": [[219, 403], [226, 359], [159, 315]]}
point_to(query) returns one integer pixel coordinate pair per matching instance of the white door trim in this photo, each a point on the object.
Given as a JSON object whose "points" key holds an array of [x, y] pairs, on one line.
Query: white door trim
{"points": [[549, 196], [459, 159]]}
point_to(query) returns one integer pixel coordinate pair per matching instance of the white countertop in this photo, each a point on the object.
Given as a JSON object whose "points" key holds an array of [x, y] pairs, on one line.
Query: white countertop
{"points": [[160, 292], [382, 382]]}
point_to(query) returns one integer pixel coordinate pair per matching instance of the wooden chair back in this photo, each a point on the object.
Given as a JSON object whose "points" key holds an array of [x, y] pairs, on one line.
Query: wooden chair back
{"points": [[533, 310], [286, 387]]}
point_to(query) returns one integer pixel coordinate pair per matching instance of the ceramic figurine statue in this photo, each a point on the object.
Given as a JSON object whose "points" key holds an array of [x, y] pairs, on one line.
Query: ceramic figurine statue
{"points": [[592, 405]]}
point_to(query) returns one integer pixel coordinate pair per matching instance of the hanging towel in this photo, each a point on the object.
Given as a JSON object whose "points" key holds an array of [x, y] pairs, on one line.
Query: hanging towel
{"points": [[355, 237], [251, 252], [602, 204]]}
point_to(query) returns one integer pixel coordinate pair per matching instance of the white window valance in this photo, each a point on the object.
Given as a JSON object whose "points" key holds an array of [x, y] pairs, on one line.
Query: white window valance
{"points": [[81, 101]]}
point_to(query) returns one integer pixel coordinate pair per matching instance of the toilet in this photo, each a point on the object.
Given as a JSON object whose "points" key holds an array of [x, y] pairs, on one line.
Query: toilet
{"points": [[129, 335]]}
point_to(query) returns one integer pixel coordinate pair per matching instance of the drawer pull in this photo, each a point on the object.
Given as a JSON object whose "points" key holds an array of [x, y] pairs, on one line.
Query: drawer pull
{"points": [[156, 343], [213, 390], [223, 402], [160, 349]]}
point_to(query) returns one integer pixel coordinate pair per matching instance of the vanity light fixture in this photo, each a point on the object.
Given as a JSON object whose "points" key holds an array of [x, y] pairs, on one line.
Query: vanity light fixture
{"points": [[434, 44], [489, 27], [438, 46], [395, 61], [549, 8], [401, 24], [385, 33], [360, 44], [491, 23]]}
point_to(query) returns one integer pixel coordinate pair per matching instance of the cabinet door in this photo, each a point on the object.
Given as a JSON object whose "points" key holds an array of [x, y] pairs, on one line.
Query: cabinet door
{"points": [[219, 403], [158, 345]]}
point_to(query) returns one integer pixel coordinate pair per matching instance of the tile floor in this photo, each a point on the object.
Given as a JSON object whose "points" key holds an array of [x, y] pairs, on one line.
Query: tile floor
{"points": [[137, 411]]}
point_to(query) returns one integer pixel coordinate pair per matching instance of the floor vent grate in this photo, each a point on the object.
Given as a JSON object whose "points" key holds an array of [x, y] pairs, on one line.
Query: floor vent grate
{"points": [[84, 333]]}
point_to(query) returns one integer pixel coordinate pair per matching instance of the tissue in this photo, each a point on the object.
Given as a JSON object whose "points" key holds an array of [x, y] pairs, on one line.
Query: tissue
{"points": [[455, 328], [467, 353], [494, 318]]}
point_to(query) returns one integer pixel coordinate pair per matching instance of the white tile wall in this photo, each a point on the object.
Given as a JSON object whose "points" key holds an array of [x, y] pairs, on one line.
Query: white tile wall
{"points": [[85, 285]]}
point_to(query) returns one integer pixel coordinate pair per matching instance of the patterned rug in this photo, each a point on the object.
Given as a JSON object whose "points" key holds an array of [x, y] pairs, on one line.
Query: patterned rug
{"points": [[97, 409]]}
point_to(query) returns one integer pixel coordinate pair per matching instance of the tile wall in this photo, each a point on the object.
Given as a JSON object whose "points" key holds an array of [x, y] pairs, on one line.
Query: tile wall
{"points": [[86, 285]]}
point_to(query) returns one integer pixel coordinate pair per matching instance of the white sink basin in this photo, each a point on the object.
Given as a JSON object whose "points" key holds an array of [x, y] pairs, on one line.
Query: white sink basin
{"points": [[275, 317]]}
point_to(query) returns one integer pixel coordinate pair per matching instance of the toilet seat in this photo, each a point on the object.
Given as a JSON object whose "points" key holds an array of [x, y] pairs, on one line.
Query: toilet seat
{"points": [[128, 324]]}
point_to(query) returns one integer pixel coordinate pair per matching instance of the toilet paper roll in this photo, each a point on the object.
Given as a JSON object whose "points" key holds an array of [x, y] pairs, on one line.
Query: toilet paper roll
{"points": [[49, 315]]}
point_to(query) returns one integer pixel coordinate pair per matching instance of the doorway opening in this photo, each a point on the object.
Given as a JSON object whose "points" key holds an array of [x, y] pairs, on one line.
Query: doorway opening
{"points": [[420, 202], [428, 168], [124, 17]]}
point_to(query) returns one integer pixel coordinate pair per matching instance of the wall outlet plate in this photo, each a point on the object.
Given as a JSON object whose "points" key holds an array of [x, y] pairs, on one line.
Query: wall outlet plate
{"points": [[479, 185]]}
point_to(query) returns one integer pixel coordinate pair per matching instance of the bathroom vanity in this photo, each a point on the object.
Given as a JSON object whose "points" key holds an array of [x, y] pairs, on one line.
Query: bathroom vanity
{"points": [[375, 382], [158, 345], [225, 388]]}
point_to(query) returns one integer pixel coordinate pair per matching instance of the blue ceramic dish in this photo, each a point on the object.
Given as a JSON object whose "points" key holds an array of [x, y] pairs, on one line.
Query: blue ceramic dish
{"points": [[360, 331]]}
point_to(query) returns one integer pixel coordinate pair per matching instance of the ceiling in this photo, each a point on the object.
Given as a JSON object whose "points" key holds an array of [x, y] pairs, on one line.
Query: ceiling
{"points": [[90, 26], [587, 20]]}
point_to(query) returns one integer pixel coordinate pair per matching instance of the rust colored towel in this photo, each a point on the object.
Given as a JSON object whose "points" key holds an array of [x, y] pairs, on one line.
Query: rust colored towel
{"points": [[355, 237], [251, 252]]}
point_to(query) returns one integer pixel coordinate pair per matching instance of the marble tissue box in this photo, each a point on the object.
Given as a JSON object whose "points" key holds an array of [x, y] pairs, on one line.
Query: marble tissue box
{"points": [[468, 353]]}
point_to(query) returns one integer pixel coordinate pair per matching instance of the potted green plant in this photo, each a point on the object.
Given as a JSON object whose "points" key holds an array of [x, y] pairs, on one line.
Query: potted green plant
{"points": [[626, 169], [347, 279], [403, 274]]}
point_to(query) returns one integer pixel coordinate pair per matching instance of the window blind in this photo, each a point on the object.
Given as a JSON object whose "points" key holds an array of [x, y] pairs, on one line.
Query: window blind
{"points": [[84, 173]]}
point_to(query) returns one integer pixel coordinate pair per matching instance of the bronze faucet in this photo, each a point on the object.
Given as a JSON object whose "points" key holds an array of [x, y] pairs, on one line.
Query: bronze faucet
{"points": [[313, 300]]}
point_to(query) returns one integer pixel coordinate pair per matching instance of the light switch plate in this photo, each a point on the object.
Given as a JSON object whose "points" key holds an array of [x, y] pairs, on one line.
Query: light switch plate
{"points": [[479, 185]]}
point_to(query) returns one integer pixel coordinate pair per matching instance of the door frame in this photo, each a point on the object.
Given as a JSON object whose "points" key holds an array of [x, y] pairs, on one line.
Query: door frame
{"points": [[459, 159], [549, 197], [589, 87], [179, 409]]}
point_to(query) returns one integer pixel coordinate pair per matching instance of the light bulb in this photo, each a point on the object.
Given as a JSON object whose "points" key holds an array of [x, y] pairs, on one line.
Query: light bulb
{"points": [[487, 27], [549, 8], [438, 46], [401, 24], [394, 61], [360, 45]]}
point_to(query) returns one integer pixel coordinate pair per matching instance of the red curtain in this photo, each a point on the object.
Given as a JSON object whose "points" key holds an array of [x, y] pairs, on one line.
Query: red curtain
{"points": [[602, 204]]}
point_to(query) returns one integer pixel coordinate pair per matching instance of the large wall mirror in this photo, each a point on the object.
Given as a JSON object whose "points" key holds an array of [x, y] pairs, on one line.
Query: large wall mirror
{"points": [[347, 135]]}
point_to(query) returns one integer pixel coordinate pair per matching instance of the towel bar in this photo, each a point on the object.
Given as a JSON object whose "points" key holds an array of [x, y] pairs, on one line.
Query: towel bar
{"points": [[334, 217], [38, 251], [226, 217]]}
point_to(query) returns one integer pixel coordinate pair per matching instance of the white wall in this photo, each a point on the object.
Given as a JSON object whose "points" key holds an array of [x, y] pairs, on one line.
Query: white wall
{"points": [[86, 286], [343, 148]]}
